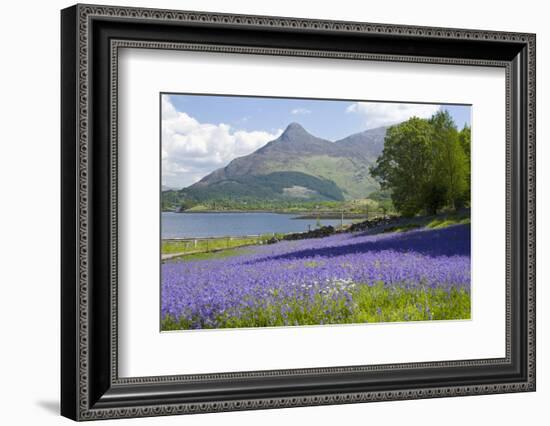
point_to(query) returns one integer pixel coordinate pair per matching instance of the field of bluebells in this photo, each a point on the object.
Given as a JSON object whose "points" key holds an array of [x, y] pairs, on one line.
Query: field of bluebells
{"points": [[422, 274]]}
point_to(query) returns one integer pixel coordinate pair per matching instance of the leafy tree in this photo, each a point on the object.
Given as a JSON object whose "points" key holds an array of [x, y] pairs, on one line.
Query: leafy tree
{"points": [[405, 165], [425, 165], [465, 137], [186, 205], [450, 164]]}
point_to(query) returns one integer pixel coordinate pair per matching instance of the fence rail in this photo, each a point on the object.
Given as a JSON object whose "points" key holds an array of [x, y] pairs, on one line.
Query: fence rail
{"points": [[172, 247]]}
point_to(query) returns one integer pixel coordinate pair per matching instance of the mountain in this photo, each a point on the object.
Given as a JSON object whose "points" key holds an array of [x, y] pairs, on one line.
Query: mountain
{"points": [[297, 165], [368, 143]]}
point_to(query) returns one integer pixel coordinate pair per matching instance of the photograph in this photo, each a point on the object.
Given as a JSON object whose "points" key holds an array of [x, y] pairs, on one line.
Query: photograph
{"points": [[273, 208], [279, 212]]}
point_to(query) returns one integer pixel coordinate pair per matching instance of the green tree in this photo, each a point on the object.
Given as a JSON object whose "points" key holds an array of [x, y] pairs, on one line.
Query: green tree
{"points": [[449, 162], [186, 204], [424, 165], [465, 138], [405, 164]]}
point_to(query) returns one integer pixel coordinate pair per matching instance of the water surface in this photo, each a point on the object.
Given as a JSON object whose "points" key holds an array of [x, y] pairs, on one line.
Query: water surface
{"points": [[185, 225]]}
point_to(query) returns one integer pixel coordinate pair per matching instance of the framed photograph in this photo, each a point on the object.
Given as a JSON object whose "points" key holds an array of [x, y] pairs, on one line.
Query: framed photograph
{"points": [[263, 212]]}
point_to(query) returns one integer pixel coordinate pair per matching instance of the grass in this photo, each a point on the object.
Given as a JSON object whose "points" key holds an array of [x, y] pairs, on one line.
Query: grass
{"points": [[438, 223], [443, 222], [194, 246], [219, 254], [367, 304], [402, 228]]}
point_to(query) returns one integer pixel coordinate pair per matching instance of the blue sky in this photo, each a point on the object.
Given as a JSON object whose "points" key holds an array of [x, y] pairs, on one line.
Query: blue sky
{"points": [[328, 119], [201, 133]]}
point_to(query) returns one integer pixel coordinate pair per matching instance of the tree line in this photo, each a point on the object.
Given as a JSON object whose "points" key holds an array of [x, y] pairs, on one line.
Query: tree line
{"points": [[425, 165]]}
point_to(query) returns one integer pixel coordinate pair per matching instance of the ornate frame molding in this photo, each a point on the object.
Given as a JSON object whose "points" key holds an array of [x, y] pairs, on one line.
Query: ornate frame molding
{"points": [[82, 17]]}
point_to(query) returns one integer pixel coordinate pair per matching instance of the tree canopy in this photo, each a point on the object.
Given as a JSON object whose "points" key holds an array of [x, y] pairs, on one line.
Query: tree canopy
{"points": [[426, 165]]}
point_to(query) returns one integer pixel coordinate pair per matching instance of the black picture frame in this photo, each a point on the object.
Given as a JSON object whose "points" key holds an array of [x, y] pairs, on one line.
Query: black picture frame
{"points": [[90, 386]]}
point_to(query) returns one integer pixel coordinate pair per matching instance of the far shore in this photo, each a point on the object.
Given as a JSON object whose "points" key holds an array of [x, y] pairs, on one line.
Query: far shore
{"points": [[300, 214], [230, 211]]}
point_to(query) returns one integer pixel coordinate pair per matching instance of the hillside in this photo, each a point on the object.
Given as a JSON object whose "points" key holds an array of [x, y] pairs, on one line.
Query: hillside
{"points": [[296, 165]]}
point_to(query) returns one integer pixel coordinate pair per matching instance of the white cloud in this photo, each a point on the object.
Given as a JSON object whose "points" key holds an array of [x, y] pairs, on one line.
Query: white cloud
{"points": [[300, 111], [191, 150], [383, 114]]}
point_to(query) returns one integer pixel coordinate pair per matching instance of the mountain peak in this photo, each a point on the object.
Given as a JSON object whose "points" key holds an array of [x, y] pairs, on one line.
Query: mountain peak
{"points": [[295, 129], [294, 126]]}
